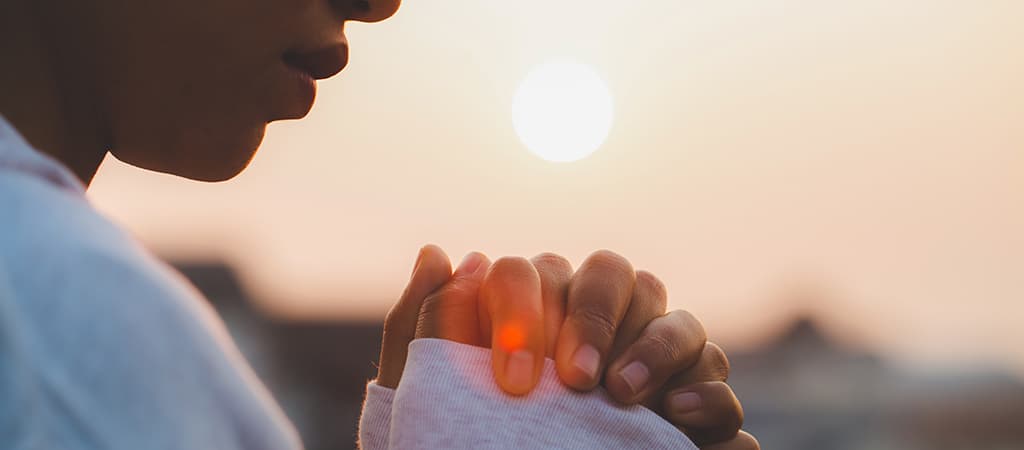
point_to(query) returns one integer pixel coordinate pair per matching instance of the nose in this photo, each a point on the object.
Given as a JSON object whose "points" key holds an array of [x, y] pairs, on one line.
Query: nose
{"points": [[371, 10]]}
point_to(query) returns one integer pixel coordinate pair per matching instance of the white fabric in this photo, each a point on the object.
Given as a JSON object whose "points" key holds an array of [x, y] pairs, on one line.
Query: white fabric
{"points": [[448, 399]]}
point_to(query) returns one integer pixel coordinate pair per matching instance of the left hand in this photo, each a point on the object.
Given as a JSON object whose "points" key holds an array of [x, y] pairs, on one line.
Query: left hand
{"points": [[604, 322]]}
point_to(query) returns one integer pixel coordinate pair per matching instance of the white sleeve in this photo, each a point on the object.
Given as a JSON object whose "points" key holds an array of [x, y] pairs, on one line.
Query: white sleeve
{"points": [[375, 422], [448, 399]]}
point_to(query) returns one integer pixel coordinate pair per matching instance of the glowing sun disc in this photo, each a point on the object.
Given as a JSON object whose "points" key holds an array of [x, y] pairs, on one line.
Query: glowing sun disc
{"points": [[562, 111]]}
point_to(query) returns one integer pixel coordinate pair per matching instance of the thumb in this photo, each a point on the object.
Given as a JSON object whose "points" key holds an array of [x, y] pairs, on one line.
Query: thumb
{"points": [[431, 271], [451, 313]]}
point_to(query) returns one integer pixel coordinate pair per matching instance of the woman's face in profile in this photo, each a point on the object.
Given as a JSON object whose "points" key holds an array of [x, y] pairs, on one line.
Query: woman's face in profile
{"points": [[188, 86]]}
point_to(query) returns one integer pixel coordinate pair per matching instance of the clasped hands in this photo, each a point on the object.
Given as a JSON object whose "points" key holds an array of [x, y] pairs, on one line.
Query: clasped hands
{"points": [[604, 324]]}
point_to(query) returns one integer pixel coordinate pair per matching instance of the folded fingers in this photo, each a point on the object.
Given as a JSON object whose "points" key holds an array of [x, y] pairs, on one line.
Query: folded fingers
{"points": [[667, 346], [707, 412]]}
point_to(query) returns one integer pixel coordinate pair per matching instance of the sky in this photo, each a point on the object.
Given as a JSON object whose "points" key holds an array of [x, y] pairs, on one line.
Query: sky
{"points": [[862, 162]]}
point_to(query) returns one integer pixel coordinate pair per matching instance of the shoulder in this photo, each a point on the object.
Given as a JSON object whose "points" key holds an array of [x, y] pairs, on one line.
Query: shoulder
{"points": [[77, 284], [43, 223], [69, 268], [91, 321], [55, 245], [70, 276]]}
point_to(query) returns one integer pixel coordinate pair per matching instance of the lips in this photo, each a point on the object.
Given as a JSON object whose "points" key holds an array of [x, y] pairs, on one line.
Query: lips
{"points": [[321, 63], [303, 69]]}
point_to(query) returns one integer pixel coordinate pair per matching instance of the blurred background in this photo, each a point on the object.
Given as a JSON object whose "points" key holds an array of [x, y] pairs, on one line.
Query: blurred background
{"points": [[835, 188]]}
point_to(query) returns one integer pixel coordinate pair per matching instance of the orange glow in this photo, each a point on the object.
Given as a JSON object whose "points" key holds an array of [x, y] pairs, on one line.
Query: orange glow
{"points": [[511, 338]]}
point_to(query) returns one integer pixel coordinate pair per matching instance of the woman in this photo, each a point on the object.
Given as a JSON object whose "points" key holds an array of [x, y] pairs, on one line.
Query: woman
{"points": [[104, 347]]}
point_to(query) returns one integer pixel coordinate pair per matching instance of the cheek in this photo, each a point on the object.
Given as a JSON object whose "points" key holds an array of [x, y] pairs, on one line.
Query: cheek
{"points": [[185, 82], [198, 87], [201, 124]]}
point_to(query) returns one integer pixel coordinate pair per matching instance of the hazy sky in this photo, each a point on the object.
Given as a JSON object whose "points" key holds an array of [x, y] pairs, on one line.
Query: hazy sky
{"points": [[869, 154]]}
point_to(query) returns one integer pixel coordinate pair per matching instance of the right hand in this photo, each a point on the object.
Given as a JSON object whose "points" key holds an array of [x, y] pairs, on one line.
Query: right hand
{"points": [[522, 305]]}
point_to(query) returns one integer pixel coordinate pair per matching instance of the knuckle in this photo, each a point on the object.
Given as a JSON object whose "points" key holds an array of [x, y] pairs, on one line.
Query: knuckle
{"points": [[664, 347], [553, 261], [685, 320], [607, 260], [650, 289], [596, 321], [716, 360], [511, 266], [554, 271], [461, 288], [604, 279], [650, 281], [729, 411], [394, 316], [432, 303]]}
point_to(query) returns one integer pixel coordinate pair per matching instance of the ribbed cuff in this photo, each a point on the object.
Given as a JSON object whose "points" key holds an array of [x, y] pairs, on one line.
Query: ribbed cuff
{"points": [[375, 423], [448, 399]]}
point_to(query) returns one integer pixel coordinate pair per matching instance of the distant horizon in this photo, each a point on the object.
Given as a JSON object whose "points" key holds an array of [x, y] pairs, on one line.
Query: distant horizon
{"points": [[765, 337]]}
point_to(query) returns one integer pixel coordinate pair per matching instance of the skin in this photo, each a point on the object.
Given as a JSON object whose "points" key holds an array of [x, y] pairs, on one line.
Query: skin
{"points": [[184, 87], [538, 295], [187, 88]]}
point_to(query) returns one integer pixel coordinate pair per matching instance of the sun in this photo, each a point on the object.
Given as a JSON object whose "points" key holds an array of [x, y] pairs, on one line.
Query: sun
{"points": [[562, 111]]}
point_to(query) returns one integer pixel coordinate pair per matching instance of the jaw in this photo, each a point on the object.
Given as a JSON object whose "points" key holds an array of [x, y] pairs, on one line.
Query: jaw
{"points": [[200, 156]]}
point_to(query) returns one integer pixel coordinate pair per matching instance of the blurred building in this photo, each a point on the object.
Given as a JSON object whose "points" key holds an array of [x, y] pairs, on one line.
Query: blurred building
{"points": [[801, 391]]}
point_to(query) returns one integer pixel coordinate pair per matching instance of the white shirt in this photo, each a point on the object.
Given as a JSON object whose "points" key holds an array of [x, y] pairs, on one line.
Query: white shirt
{"points": [[102, 346]]}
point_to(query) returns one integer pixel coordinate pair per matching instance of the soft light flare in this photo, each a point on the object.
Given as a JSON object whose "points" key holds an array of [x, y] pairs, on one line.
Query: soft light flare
{"points": [[562, 111]]}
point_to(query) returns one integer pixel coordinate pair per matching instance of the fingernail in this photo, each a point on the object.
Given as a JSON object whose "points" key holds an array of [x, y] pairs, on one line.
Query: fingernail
{"points": [[685, 402], [587, 359], [469, 264], [519, 370], [636, 375]]}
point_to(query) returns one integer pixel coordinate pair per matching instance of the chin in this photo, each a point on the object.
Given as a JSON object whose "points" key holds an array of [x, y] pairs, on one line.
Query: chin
{"points": [[212, 173], [209, 159]]}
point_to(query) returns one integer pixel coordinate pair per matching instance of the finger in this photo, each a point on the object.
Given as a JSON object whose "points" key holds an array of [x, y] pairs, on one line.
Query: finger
{"points": [[668, 345], [742, 441], [713, 365], [511, 299], [648, 302], [709, 413], [451, 312], [432, 269], [555, 273], [599, 294]]}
